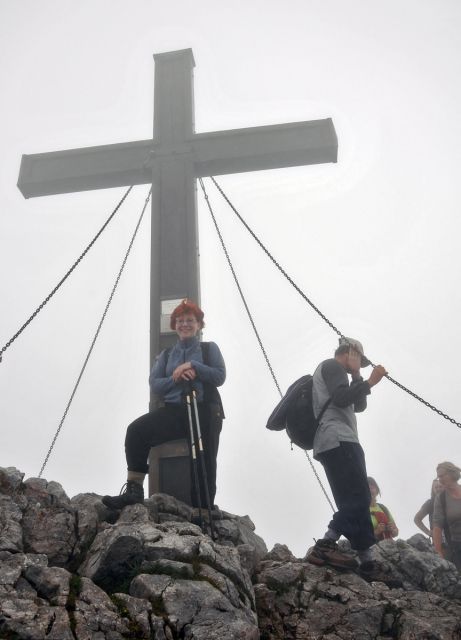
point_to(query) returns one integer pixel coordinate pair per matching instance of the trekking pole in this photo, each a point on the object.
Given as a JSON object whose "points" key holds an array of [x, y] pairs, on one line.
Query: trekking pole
{"points": [[194, 457], [202, 463]]}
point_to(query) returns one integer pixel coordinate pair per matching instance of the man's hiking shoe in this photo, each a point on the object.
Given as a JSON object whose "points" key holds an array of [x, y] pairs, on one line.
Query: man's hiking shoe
{"points": [[327, 552], [373, 571], [131, 493]]}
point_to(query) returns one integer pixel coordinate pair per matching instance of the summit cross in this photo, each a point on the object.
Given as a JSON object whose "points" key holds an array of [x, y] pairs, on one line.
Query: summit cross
{"points": [[172, 161]]}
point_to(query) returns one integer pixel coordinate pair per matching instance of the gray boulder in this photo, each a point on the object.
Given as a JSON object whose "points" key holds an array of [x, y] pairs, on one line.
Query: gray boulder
{"points": [[72, 569], [297, 600]]}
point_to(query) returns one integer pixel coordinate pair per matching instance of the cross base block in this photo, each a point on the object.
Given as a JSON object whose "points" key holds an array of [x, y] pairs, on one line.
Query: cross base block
{"points": [[169, 470]]}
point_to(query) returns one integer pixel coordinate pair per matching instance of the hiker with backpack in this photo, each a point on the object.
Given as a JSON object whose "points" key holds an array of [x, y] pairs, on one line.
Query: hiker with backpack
{"points": [[189, 364], [384, 526], [337, 447]]}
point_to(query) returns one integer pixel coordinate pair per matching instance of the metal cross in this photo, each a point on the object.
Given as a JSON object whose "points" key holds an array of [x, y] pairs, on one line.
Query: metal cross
{"points": [[172, 162]]}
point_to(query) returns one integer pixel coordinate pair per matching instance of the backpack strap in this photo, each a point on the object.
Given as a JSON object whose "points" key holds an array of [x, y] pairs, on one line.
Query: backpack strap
{"points": [[165, 354], [206, 352], [446, 528], [323, 409], [211, 394]]}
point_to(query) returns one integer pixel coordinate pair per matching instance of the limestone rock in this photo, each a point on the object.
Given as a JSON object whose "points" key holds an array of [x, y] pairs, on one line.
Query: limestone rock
{"points": [[164, 507], [419, 567], [239, 532], [74, 570], [90, 514], [10, 525], [191, 578], [48, 521], [297, 600]]}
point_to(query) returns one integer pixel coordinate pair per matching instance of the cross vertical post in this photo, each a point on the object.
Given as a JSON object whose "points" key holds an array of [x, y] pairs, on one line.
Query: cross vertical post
{"points": [[174, 256]]}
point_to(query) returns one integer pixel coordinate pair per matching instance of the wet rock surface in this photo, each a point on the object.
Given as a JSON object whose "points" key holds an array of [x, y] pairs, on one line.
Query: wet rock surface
{"points": [[72, 569]]}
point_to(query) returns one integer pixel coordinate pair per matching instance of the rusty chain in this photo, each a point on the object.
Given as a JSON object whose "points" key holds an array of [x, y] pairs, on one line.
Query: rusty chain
{"points": [[317, 310], [64, 278]]}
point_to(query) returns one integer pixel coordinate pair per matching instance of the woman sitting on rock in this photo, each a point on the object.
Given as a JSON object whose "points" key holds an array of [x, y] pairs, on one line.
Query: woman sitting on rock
{"points": [[447, 513], [381, 518], [188, 364]]}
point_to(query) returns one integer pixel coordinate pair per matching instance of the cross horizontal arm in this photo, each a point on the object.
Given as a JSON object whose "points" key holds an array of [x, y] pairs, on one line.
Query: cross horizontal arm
{"points": [[269, 147], [214, 153], [113, 165]]}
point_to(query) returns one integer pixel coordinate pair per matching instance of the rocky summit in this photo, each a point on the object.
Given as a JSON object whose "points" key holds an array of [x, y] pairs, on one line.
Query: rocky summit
{"points": [[70, 569]]}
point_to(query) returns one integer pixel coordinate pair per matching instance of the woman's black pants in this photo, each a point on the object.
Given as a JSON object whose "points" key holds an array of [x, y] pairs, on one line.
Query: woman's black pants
{"points": [[171, 422]]}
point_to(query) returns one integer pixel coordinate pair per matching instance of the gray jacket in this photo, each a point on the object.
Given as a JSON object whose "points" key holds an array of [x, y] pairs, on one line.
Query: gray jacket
{"points": [[338, 423]]}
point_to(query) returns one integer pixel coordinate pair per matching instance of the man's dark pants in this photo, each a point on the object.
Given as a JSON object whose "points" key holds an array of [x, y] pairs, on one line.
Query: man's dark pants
{"points": [[171, 423], [347, 474]]}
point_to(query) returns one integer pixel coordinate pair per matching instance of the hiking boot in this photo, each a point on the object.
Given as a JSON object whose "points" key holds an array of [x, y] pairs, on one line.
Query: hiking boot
{"points": [[374, 571], [131, 493], [327, 552]]}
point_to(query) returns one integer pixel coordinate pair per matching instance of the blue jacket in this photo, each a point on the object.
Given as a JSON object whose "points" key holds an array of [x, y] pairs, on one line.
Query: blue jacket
{"points": [[189, 350]]}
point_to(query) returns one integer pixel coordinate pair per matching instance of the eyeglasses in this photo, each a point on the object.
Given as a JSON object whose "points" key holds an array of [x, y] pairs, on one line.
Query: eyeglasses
{"points": [[189, 322]]}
